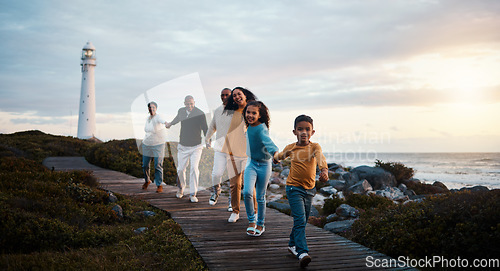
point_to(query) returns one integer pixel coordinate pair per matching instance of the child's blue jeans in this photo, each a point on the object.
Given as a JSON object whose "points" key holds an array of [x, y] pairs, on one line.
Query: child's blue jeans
{"points": [[257, 174], [300, 201]]}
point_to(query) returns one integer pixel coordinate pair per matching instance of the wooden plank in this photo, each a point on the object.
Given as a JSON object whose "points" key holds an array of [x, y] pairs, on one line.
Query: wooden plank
{"points": [[224, 245]]}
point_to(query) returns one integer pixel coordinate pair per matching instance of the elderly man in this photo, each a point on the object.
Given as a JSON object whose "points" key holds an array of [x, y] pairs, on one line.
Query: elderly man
{"points": [[193, 122]]}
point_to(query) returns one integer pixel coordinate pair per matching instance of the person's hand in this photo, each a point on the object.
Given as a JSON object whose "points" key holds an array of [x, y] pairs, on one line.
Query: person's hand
{"points": [[275, 158], [168, 125], [323, 176]]}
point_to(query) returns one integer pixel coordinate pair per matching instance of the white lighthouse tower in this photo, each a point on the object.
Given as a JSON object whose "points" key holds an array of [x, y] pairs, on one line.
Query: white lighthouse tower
{"points": [[86, 114]]}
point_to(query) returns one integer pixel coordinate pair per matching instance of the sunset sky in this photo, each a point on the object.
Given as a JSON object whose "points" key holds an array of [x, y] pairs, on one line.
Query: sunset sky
{"points": [[376, 76]]}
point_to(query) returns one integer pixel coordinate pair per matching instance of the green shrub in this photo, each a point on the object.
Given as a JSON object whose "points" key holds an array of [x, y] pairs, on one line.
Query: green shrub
{"points": [[358, 201], [331, 205], [399, 170], [367, 202], [425, 189], [62, 221], [464, 224], [36, 145]]}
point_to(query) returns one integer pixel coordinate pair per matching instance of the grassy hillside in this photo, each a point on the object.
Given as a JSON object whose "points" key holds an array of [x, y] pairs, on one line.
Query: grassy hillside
{"points": [[63, 221]]}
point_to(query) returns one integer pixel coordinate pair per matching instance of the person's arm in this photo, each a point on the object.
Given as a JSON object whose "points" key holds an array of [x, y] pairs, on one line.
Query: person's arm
{"points": [[321, 160], [278, 156], [212, 128], [268, 142], [177, 118], [203, 120]]}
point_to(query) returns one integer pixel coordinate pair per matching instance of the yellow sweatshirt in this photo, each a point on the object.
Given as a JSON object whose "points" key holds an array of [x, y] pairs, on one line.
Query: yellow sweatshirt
{"points": [[304, 161]]}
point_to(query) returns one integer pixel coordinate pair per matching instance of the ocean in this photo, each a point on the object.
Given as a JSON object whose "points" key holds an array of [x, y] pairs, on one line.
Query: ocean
{"points": [[455, 170]]}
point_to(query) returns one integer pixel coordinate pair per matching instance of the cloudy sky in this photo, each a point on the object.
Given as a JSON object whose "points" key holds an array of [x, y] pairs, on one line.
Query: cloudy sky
{"points": [[377, 76]]}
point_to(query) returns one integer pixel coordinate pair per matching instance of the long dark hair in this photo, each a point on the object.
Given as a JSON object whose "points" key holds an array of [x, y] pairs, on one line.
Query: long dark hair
{"points": [[264, 116], [231, 105]]}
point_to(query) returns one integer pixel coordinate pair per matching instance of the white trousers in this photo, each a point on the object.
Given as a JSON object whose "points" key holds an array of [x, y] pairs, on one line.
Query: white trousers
{"points": [[188, 155], [220, 164]]}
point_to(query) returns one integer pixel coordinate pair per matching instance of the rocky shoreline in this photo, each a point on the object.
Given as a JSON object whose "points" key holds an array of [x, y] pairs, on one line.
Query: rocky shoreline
{"points": [[363, 180]]}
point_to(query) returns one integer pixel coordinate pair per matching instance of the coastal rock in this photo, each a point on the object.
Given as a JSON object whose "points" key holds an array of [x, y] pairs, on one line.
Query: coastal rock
{"points": [[332, 217], [274, 186], [339, 226], [440, 185], [475, 188], [410, 193], [403, 188], [379, 178], [140, 230], [118, 210], [318, 199], [275, 178], [346, 210], [112, 198], [146, 213], [328, 190], [340, 195], [285, 173], [280, 205], [361, 187], [392, 193], [412, 180], [339, 185], [350, 178], [334, 166], [314, 212]]}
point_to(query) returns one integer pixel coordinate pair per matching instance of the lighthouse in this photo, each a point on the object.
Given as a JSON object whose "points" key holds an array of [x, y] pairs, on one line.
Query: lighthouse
{"points": [[86, 114]]}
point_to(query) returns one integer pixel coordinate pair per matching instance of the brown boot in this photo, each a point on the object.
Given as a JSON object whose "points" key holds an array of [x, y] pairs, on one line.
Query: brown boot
{"points": [[159, 189], [145, 185]]}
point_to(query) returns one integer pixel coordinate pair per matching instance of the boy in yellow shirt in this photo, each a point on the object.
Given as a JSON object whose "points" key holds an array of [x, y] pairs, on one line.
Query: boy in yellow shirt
{"points": [[300, 184]]}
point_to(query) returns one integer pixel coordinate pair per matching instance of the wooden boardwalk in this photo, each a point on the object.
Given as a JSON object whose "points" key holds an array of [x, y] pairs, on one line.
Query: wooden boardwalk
{"points": [[223, 245]]}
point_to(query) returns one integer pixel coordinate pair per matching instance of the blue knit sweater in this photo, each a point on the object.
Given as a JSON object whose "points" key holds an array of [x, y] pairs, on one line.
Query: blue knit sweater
{"points": [[260, 147]]}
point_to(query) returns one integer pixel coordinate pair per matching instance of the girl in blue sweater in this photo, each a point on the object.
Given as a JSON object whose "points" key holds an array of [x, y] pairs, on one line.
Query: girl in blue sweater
{"points": [[260, 150]]}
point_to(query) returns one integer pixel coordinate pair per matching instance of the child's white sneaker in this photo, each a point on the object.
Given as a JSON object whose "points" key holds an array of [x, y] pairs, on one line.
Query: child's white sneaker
{"points": [[304, 260]]}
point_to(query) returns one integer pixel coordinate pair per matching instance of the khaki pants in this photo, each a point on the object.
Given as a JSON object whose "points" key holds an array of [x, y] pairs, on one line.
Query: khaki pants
{"points": [[235, 167]]}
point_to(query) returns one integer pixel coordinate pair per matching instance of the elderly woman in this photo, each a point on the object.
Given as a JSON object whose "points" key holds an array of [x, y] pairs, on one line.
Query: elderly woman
{"points": [[153, 147]]}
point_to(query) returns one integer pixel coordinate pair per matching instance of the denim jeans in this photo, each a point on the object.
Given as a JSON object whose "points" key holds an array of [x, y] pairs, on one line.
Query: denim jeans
{"points": [[300, 201], [157, 153], [257, 174]]}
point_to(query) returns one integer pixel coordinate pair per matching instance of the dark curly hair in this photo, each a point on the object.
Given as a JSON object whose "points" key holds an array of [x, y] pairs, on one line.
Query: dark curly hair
{"points": [[264, 116], [231, 105]]}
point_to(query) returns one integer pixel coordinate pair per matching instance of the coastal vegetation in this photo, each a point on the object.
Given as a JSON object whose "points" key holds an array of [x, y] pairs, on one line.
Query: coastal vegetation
{"points": [[79, 226], [64, 221], [462, 224]]}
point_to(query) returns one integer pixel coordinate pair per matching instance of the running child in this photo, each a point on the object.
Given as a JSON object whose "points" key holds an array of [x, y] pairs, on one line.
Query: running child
{"points": [[260, 150], [300, 184]]}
